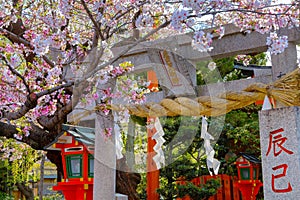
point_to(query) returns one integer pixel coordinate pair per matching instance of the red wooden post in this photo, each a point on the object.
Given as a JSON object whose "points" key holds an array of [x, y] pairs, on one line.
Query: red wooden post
{"points": [[226, 186], [236, 191], [152, 172]]}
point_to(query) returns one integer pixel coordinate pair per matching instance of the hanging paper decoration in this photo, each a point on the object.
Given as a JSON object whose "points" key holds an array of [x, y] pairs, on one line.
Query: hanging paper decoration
{"points": [[118, 138], [267, 104], [159, 158], [211, 162]]}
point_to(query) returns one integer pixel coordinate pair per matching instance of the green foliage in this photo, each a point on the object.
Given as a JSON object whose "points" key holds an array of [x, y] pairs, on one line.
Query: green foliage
{"points": [[242, 129], [142, 121], [190, 164], [240, 133], [183, 167], [225, 69], [141, 189], [233, 75], [259, 59], [17, 161], [55, 196], [225, 65], [197, 192], [205, 75], [4, 196]]}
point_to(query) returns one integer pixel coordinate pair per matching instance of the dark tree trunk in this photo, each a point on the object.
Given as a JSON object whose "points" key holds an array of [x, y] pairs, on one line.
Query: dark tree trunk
{"points": [[126, 180], [55, 158], [26, 191], [41, 184]]}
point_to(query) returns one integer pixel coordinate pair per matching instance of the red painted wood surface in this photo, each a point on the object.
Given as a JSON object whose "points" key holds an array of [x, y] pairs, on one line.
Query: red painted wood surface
{"points": [[249, 188], [228, 190], [152, 172], [75, 188]]}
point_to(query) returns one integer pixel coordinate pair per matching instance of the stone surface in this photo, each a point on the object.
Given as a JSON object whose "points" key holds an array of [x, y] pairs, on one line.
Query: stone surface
{"points": [[233, 43], [121, 197], [280, 149], [285, 62], [263, 72], [105, 161], [236, 86], [176, 75]]}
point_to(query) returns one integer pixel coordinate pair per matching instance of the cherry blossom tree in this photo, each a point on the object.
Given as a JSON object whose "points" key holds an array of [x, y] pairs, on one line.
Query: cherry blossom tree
{"points": [[41, 39], [18, 159]]}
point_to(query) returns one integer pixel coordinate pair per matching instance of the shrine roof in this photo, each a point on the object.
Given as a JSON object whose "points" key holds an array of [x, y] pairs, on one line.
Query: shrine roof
{"points": [[84, 135], [250, 158], [250, 67]]}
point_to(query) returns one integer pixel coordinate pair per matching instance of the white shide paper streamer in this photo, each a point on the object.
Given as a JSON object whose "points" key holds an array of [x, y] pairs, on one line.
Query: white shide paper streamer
{"points": [[159, 158], [118, 138], [266, 105], [211, 162]]}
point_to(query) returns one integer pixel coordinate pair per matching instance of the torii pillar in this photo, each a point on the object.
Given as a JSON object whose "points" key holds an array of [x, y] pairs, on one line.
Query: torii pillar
{"points": [[152, 171]]}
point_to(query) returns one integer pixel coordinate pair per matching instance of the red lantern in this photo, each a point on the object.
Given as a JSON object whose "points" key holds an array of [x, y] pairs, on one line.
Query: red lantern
{"points": [[248, 168]]}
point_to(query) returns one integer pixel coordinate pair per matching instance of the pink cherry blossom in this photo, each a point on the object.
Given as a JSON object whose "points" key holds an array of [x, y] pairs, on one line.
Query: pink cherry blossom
{"points": [[202, 41], [277, 44]]}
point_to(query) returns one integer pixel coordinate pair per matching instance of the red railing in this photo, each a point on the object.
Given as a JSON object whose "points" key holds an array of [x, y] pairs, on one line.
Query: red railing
{"points": [[227, 190]]}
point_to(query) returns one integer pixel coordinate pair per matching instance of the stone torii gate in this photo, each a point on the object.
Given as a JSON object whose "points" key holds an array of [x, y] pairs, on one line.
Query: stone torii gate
{"points": [[172, 60]]}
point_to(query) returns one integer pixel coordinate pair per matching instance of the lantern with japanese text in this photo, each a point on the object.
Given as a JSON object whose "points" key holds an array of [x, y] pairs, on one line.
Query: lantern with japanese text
{"points": [[76, 145], [248, 168]]}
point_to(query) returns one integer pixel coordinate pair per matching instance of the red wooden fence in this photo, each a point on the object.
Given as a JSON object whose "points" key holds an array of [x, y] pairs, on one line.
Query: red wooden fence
{"points": [[227, 190]]}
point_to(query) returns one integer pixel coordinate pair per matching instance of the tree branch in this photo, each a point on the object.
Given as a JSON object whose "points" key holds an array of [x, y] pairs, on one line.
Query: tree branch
{"points": [[25, 190], [59, 116], [30, 103], [17, 74], [37, 139], [51, 90], [92, 18], [26, 43], [111, 61]]}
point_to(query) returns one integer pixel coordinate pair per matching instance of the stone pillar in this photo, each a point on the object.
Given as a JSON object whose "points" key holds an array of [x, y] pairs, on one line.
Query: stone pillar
{"points": [[285, 62], [105, 161], [105, 153], [280, 149], [121, 197]]}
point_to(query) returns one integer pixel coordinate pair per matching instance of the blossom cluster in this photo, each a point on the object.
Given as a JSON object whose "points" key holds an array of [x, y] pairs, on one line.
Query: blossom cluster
{"points": [[11, 150], [19, 78], [244, 58], [111, 72], [128, 89], [276, 43], [25, 131], [144, 21], [107, 94], [263, 16], [202, 41], [107, 133], [131, 90], [178, 18]]}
